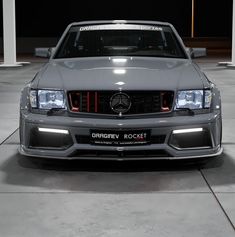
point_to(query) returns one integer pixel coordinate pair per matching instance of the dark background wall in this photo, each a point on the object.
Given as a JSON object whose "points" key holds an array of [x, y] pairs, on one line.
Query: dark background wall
{"points": [[48, 18], [39, 23], [53, 19], [213, 18]]}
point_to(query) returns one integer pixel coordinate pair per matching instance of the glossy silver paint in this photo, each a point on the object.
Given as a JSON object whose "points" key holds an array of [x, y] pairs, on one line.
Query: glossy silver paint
{"points": [[140, 73]]}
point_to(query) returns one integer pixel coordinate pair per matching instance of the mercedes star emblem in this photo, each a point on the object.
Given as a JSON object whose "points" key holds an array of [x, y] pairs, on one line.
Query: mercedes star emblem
{"points": [[120, 103]]}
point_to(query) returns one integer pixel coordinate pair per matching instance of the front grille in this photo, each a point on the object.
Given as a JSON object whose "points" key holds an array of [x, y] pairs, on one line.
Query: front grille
{"points": [[141, 101]]}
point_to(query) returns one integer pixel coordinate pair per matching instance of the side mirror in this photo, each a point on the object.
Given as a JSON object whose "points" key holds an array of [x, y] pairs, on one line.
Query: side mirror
{"points": [[197, 52], [44, 52]]}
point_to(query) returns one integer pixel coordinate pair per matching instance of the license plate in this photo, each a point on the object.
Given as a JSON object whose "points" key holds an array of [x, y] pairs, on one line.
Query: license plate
{"points": [[122, 137]]}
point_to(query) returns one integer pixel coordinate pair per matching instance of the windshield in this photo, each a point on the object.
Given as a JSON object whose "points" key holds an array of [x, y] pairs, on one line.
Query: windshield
{"points": [[120, 40]]}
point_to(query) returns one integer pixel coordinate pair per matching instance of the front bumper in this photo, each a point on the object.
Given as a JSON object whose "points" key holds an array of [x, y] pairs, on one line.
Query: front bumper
{"points": [[72, 148]]}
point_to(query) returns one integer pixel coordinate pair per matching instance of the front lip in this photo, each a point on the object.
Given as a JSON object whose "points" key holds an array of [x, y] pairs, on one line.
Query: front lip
{"points": [[24, 152]]}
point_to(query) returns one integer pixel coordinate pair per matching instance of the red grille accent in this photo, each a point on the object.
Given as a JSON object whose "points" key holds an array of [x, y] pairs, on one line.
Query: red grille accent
{"points": [[165, 103], [74, 99], [96, 102], [141, 101]]}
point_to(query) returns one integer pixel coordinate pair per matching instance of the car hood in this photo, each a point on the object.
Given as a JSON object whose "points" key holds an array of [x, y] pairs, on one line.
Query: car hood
{"points": [[107, 73]]}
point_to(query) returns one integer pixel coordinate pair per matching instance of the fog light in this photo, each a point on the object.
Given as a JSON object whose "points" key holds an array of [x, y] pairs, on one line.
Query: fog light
{"points": [[189, 130], [193, 138], [53, 130], [50, 138]]}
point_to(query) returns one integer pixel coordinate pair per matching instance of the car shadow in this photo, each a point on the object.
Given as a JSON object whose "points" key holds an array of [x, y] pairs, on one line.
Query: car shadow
{"points": [[117, 166], [23, 174]]}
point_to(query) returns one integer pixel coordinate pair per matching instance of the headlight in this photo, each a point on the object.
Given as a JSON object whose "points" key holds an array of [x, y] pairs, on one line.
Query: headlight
{"points": [[193, 99], [47, 99]]}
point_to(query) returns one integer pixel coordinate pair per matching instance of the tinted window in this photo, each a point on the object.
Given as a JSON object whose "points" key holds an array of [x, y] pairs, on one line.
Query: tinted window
{"points": [[131, 40]]}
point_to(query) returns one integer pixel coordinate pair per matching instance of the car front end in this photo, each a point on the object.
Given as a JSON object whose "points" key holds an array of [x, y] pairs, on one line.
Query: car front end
{"points": [[122, 105]]}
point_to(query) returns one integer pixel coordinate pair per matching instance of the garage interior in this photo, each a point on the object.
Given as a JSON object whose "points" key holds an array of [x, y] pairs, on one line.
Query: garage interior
{"points": [[97, 198]]}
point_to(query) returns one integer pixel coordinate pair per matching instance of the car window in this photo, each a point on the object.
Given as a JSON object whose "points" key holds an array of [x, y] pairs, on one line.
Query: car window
{"points": [[105, 40]]}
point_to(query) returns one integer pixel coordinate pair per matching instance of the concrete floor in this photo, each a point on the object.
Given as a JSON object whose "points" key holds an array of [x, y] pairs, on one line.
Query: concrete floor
{"points": [[114, 199]]}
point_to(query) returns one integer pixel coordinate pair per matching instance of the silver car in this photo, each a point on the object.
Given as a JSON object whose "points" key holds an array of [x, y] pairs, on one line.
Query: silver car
{"points": [[120, 90]]}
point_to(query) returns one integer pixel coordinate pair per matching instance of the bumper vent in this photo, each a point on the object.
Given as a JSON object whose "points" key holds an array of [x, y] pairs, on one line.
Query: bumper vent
{"points": [[197, 140], [52, 141]]}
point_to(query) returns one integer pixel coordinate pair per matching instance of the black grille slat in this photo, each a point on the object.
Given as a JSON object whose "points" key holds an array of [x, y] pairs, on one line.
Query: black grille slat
{"points": [[84, 102], [142, 102], [104, 105]]}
